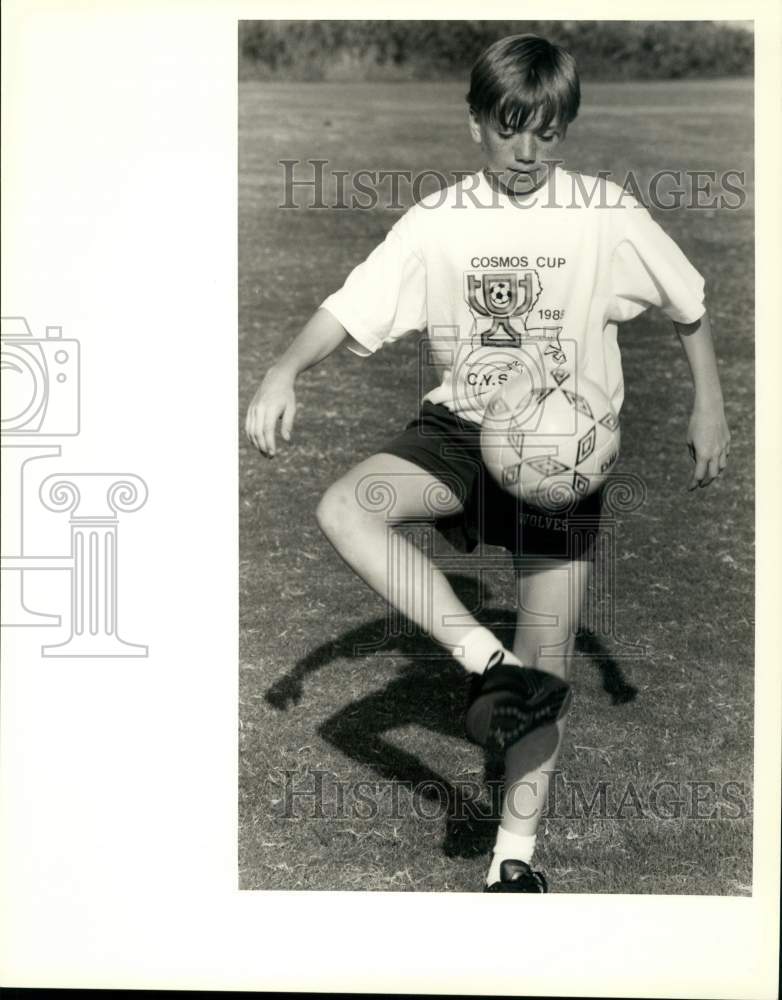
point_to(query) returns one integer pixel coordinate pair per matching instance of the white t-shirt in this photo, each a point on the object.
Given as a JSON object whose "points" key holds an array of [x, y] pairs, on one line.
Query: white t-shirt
{"points": [[501, 284]]}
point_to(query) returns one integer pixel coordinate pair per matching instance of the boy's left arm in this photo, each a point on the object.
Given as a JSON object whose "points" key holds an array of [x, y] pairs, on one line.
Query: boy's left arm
{"points": [[708, 437]]}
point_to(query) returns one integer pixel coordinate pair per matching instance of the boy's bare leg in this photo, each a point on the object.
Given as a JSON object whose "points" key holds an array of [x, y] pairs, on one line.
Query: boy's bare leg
{"points": [[358, 514], [554, 592]]}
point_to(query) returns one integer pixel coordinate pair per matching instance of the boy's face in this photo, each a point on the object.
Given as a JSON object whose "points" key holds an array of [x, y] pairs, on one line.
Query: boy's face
{"points": [[516, 160]]}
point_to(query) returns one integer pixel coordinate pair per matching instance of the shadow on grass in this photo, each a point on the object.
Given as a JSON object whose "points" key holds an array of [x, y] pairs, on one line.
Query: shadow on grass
{"points": [[430, 692]]}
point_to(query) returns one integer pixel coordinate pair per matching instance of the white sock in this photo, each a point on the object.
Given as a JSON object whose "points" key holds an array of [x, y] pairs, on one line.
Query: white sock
{"points": [[478, 646], [509, 846]]}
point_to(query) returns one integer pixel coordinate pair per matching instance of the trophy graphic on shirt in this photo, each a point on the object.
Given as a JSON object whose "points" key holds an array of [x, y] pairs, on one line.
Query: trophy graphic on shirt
{"points": [[502, 344], [499, 301]]}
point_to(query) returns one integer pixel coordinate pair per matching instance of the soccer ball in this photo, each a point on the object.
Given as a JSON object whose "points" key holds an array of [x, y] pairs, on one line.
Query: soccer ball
{"points": [[551, 444]]}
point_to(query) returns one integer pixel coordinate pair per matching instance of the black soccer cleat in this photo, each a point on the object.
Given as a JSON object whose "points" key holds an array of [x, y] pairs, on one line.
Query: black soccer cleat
{"points": [[507, 702], [517, 876]]}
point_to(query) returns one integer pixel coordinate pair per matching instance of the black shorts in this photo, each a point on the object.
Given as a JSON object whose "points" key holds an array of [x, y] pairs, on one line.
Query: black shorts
{"points": [[449, 447]]}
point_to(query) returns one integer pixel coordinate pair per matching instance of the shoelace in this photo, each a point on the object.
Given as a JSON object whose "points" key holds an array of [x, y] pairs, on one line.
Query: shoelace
{"points": [[495, 658]]}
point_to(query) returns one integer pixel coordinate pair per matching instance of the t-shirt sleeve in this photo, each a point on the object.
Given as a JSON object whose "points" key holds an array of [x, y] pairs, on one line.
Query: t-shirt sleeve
{"points": [[649, 269], [384, 297]]}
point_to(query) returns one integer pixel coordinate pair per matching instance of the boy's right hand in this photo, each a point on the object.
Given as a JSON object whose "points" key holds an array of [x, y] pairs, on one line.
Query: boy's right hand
{"points": [[274, 399]]}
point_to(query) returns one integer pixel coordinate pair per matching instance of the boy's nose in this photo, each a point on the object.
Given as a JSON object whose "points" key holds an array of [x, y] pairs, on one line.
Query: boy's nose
{"points": [[524, 149]]}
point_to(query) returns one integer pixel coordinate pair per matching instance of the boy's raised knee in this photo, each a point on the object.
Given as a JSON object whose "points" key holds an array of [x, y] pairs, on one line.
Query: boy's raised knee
{"points": [[334, 508], [357, 499]]}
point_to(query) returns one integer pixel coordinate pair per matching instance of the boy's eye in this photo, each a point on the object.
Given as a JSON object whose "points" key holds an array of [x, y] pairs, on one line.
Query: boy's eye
{"points": [[545, 137]]}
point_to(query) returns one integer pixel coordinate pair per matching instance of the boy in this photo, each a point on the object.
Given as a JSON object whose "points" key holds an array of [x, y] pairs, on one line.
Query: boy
{"points": [[520, 266]]}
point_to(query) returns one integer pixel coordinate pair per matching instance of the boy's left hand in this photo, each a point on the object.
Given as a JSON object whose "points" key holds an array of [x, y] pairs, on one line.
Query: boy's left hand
{"points": [[708, 439]]}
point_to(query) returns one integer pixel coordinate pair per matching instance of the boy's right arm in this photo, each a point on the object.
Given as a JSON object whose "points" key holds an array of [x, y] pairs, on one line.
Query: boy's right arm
{"points": [[275, 397]]}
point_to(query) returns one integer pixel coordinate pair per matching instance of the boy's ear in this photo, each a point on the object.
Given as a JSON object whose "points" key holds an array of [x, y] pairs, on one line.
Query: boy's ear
{"points": [[475, 126]]}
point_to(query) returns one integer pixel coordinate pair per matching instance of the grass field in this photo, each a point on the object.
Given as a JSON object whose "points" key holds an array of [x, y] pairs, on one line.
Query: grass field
{"points": [[313, 710]]}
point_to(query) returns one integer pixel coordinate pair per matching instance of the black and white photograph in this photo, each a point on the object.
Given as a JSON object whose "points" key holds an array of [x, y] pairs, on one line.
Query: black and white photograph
{"points": [[496, 321], [390, 467]]}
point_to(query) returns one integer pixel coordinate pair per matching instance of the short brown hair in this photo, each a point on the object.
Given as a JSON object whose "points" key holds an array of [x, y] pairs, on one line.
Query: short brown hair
{"points": [[522, 76]]}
